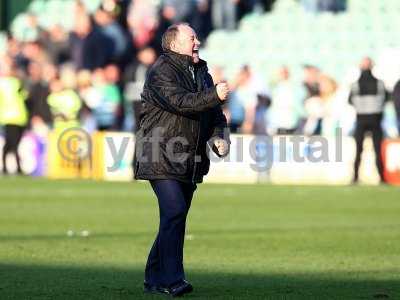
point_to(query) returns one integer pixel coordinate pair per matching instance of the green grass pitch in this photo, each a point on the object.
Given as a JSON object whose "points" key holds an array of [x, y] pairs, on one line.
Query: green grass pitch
{"points": [[243, 242]]}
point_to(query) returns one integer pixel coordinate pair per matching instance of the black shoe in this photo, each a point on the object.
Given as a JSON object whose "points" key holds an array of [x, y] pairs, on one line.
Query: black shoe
{"points": [[180, 289], [176, 290], [354, 181]]}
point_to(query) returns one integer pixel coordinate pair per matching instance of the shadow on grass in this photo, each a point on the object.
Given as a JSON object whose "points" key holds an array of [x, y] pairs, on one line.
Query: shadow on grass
{"points": [[42, 282]]}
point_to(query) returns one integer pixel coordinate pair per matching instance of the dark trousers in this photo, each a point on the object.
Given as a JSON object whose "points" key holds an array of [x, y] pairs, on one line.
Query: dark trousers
{"points": [[165, 262], [377, 136], [13, 135]]}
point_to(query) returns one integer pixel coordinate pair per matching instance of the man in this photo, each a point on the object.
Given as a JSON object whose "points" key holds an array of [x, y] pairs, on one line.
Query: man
{"points": [[181, 114], [109, 26], [248, 92], [368, 96], [134, 77], [13, 112], [287, 105], [224, 14], [38, 91], [90, 48], [311, 81]]}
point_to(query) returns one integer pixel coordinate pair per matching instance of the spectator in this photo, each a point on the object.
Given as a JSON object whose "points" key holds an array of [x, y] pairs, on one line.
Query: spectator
{"points": [[201, 20], [55, 43], [320, 110], [19, 61], [142, 22], [287, 105], [90, 48], [32, 31], [13, 112], [110, 27], [89, 96], [118, 9], [134, 78], [260, 122], [224, 14], [176, 11], [13, 50], [38, 91], [234, 110], [368, 96], [32, 51], [246, 90], [64, 102], [105, 107], [311, 75], [113, 77], [311, 81]]}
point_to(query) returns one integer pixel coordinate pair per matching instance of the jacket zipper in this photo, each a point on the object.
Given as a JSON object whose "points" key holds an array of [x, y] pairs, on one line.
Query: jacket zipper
{"points": [[195, 153]]}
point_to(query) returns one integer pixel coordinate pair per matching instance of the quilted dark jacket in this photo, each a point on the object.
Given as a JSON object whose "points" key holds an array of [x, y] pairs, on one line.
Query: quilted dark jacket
{"points": [[180, 116]]}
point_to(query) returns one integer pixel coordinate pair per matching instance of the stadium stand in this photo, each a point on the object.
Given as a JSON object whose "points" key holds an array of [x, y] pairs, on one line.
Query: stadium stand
{"points": [[289, 35]]}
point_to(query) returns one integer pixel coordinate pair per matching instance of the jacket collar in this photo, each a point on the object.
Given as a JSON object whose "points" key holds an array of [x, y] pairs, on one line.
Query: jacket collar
{"points": [[183, 60]]}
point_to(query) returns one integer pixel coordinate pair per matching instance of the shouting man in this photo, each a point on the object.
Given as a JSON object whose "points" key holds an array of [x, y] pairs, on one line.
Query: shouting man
{"points": [[181, 119]]}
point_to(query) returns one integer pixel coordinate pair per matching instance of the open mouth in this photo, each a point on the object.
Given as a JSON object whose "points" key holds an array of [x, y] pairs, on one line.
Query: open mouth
{"points": [[195, 55]]}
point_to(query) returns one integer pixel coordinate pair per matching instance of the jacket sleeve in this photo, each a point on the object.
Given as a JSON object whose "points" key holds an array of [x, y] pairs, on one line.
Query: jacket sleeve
{"points": [[220, 125], [167, 92], [220, 130]]}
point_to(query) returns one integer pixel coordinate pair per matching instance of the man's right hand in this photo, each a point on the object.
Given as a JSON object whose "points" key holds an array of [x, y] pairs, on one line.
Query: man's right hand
{"points": [[222, 91]]}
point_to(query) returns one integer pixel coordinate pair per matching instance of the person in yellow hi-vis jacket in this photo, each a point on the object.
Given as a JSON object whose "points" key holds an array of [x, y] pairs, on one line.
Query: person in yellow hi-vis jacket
{"points": [[64, 155], [65, 106], [13, 113]]}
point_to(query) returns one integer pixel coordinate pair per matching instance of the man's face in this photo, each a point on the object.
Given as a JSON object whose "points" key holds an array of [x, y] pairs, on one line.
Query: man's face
{"points": [[311, 75], [366, 64], [187, 42], [284, 73]]}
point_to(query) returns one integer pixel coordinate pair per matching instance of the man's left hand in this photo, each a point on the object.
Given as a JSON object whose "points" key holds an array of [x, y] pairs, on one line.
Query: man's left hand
{"points": [[222, 147]]}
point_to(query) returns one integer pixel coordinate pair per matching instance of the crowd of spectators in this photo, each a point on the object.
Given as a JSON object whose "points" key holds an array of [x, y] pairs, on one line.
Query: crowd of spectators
{"points": [[285, 106], [92, 75], [313, 105]]}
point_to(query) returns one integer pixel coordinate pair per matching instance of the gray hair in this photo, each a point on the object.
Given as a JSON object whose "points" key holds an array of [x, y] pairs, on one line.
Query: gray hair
{"points": [[170, 35]]}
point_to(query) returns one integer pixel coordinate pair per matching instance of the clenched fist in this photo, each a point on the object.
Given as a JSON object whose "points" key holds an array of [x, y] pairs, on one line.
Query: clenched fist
{"points": [[222, 147], [222, 91]]}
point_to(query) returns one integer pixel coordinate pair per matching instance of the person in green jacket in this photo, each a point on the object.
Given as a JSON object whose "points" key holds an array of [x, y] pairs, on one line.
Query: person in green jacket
{"points": [[13, 113]]}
